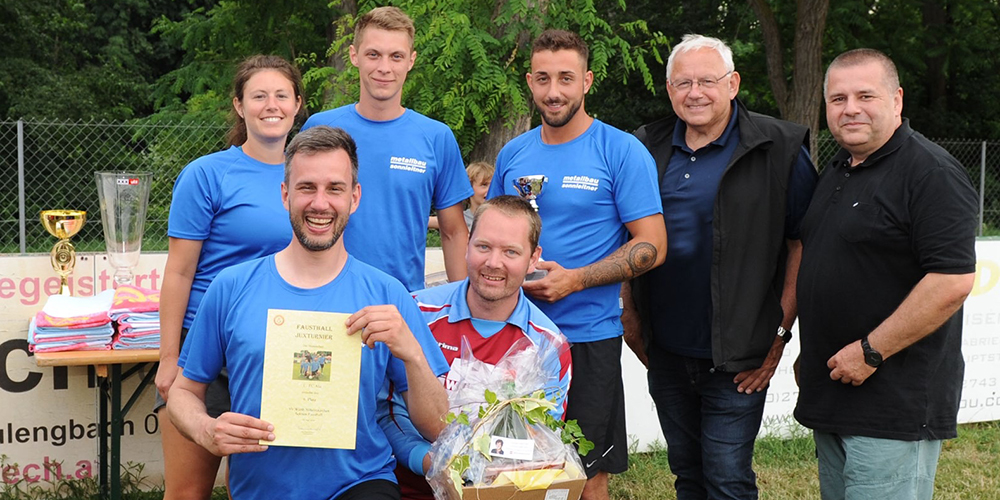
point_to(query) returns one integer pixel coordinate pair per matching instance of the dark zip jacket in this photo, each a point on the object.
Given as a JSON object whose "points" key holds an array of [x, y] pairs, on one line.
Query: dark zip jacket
{"points": [[748, 240]]}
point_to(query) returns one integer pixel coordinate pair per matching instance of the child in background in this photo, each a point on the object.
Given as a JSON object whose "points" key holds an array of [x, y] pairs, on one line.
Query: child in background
{"points": [[480, 173]]}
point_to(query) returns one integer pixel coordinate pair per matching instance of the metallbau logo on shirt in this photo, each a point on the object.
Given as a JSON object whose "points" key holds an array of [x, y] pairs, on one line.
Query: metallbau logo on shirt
{"points": [[580, 182], [408, 164]]}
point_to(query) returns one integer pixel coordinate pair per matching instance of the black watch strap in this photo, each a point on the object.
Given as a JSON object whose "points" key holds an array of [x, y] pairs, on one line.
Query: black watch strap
{"points": [[785, 335], [873, 358]]}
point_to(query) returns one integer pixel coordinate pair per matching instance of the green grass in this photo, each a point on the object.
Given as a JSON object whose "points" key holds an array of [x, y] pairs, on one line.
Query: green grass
{"points": [[135, 486], [786, 468], [970, 465], [324, 375]]}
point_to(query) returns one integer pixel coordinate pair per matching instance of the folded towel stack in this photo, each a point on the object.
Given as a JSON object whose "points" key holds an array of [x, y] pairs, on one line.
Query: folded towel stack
{"points": [[136, 312], [72, 324], [126, 318]]}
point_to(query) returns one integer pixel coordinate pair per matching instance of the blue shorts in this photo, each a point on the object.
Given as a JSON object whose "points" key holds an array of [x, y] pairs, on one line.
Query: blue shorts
{"points": [[859, 467]]}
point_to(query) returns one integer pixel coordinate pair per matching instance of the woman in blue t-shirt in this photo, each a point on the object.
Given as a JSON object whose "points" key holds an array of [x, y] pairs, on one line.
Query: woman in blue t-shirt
{"points": [[226, 209]]}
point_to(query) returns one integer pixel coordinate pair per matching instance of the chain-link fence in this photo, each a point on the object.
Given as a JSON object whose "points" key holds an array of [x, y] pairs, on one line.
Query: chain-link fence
{"points": [[51, 164]]}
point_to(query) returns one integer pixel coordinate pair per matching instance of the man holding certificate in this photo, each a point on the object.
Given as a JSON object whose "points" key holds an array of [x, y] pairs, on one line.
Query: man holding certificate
{"points": [[258, 318]]}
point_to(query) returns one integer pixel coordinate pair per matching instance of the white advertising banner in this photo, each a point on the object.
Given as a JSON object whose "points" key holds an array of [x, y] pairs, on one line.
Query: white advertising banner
{"points": [[981, 339]]}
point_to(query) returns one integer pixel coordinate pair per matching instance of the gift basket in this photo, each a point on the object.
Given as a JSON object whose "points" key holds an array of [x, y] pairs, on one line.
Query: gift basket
{"points": [[501, 440]]}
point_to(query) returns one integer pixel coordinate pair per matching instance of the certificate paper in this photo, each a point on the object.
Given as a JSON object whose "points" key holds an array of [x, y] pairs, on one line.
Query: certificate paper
{"points": [[312, 370]]}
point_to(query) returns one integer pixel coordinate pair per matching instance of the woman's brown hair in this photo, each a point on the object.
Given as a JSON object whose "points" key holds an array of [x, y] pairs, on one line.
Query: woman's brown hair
{"points": [[249, 67]]}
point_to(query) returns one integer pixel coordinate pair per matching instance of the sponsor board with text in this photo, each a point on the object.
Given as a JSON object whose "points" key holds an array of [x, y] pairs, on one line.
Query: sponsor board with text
{"points": [[48, 422]]}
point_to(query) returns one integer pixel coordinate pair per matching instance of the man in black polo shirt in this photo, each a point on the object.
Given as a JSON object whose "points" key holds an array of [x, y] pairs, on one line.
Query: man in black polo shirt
{"points": [[888, 259], [734, 187]]}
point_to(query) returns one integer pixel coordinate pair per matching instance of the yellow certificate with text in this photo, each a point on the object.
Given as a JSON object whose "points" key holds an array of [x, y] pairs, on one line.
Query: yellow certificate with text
{"points": [[312, 370]]}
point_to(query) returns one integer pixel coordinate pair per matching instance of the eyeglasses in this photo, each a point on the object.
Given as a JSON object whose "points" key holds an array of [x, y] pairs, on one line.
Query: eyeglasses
{"points": [[705, 83]]}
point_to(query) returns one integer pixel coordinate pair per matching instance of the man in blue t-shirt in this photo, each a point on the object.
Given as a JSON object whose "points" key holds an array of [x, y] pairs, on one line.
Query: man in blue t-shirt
{"points": [[313, 273], [408, 161], [600, 189]]}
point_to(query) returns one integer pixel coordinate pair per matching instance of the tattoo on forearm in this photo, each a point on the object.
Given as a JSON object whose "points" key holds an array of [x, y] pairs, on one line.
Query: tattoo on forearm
{"points": [[624, 263], [641, 257]]}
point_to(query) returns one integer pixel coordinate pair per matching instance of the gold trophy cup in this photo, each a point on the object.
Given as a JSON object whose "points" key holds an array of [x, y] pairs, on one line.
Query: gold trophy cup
{"points": [[63, 224]]}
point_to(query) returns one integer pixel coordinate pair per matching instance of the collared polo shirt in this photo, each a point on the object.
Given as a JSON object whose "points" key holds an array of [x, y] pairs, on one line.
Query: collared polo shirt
{"points": [[446, 310], [682, 306], [872, 233]]}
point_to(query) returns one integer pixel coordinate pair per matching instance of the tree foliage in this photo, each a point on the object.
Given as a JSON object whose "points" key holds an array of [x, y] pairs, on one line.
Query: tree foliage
{"points": [[946, 54], [472, 56], [628, 106], [215, 38], [945, 51], [74, 59]]}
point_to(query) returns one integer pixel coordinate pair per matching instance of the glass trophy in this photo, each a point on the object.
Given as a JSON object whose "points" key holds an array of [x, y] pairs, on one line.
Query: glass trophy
{"points": [[124, 197]]}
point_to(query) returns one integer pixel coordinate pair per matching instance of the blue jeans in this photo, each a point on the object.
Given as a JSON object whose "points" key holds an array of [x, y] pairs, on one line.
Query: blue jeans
{"points": [[710, 428], [859, 467]]}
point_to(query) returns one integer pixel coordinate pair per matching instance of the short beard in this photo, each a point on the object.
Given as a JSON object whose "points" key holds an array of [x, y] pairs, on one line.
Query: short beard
{"points": [[318, 246], [566, 119]]}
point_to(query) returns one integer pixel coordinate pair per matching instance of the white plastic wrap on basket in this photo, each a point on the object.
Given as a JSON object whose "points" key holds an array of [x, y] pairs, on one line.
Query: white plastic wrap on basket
{"points": [[470, 452]]}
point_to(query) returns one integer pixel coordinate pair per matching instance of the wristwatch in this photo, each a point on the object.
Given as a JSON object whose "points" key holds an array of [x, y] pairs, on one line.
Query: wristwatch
{"points": [[873, 358], [786, 336]]}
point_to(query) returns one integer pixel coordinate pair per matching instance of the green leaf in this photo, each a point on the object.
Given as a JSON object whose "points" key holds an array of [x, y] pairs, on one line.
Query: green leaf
{"points": [[573, 428], [537, 415], [482, 445], [532, 404], [456, 479]]}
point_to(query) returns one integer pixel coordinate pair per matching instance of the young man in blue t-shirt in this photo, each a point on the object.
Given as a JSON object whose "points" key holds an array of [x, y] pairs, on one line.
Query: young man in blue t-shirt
{"points": [[408, 161], [313, 273], [601, 189]]}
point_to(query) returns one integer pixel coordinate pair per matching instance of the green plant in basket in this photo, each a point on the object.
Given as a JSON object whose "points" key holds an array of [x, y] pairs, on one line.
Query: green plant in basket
{"points": [[509, 417]]}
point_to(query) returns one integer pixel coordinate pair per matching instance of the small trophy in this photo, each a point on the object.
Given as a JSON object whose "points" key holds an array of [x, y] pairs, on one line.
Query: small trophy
{"points": [[63, 224], [530, 187], [124, 197]]}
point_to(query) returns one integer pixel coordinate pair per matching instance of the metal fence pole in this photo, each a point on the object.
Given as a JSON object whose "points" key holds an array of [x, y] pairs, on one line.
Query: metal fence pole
{"points": [[982, 186], [20, 183]]}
